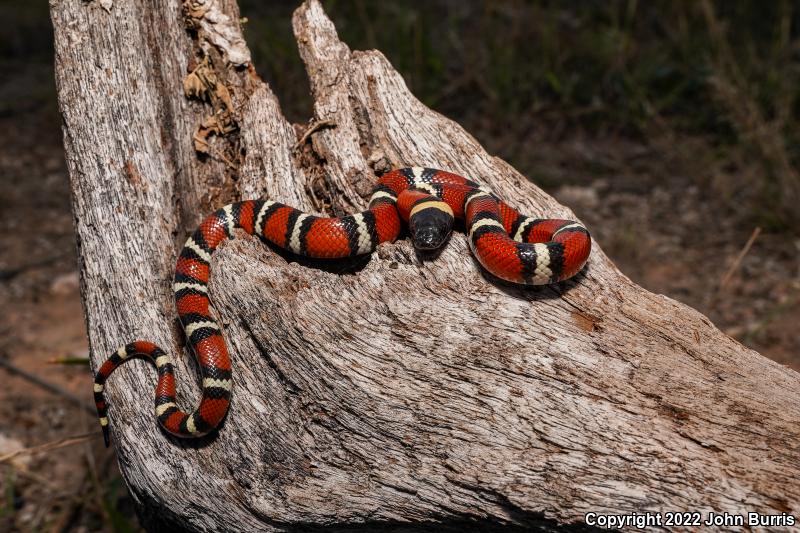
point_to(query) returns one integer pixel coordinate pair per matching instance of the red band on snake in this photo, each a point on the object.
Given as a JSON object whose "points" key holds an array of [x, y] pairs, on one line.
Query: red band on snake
{"points": [[510, 245]]}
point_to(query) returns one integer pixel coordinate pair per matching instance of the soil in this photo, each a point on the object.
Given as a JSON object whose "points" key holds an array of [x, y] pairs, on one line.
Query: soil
{"points": [[642, 202], [76, 487]]}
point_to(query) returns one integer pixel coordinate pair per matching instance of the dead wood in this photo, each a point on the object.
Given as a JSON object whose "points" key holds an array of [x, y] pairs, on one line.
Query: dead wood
{"points": [[407, 392]]}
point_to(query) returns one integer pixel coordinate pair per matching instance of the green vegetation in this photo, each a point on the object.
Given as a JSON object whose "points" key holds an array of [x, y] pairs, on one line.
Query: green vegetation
{"points": [[725, 72]]}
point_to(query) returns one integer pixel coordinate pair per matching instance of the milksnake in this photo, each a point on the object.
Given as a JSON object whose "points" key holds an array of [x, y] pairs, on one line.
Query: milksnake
{"points": [[512, 246]]}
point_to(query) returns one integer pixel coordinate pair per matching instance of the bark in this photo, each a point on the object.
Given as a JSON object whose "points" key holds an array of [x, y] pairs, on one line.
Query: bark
{"points": [[404, 391]]}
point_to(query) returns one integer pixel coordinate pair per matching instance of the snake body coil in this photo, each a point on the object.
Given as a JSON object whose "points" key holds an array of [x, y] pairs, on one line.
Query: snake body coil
{"points": [[510, 245]]}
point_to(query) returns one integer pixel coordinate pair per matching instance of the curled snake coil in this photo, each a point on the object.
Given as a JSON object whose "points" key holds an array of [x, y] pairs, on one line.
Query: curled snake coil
{"points": [[508, 244]]}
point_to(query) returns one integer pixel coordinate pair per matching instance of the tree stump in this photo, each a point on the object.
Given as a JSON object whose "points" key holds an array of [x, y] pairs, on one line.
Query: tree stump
{"points": [[406, 392]]}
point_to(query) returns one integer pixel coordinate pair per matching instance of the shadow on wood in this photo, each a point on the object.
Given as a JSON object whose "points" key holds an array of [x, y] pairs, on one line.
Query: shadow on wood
{"points": [[412, 394]]}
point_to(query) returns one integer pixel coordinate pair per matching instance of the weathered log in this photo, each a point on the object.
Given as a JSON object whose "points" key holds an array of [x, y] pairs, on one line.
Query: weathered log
{"points": [[407, 391]]}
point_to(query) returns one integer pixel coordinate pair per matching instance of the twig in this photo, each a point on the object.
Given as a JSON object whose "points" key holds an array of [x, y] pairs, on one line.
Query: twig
{"points": [[46, 385], [738, 261], [61, 443], [316, 126]]}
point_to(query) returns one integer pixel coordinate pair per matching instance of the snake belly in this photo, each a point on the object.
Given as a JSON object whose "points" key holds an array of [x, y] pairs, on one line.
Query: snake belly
{"points": [[508, 244]]}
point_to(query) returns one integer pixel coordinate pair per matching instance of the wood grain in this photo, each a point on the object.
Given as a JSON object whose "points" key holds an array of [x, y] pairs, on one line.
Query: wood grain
{"points": [[407, 392]]}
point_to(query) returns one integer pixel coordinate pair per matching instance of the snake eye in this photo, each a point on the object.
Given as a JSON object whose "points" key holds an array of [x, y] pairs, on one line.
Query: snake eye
{"points": [[430, 226]]}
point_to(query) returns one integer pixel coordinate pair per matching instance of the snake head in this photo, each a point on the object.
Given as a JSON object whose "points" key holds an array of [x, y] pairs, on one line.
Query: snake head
{"points": [[430, 224]]}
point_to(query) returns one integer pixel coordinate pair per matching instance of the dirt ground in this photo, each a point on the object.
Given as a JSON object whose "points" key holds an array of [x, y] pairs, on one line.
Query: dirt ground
{"points": [[76, 487], [642, 203]]}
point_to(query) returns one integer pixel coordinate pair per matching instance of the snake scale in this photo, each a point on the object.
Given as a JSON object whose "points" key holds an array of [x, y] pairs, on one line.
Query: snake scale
{"points": [[510, 245]]}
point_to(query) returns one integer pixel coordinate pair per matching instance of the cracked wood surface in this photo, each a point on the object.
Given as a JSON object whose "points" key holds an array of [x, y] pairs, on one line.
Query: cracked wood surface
{"points": [[404, 391]]}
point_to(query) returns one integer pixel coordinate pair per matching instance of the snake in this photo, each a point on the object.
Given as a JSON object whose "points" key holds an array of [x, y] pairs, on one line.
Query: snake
{"points": [[511, 246]]}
